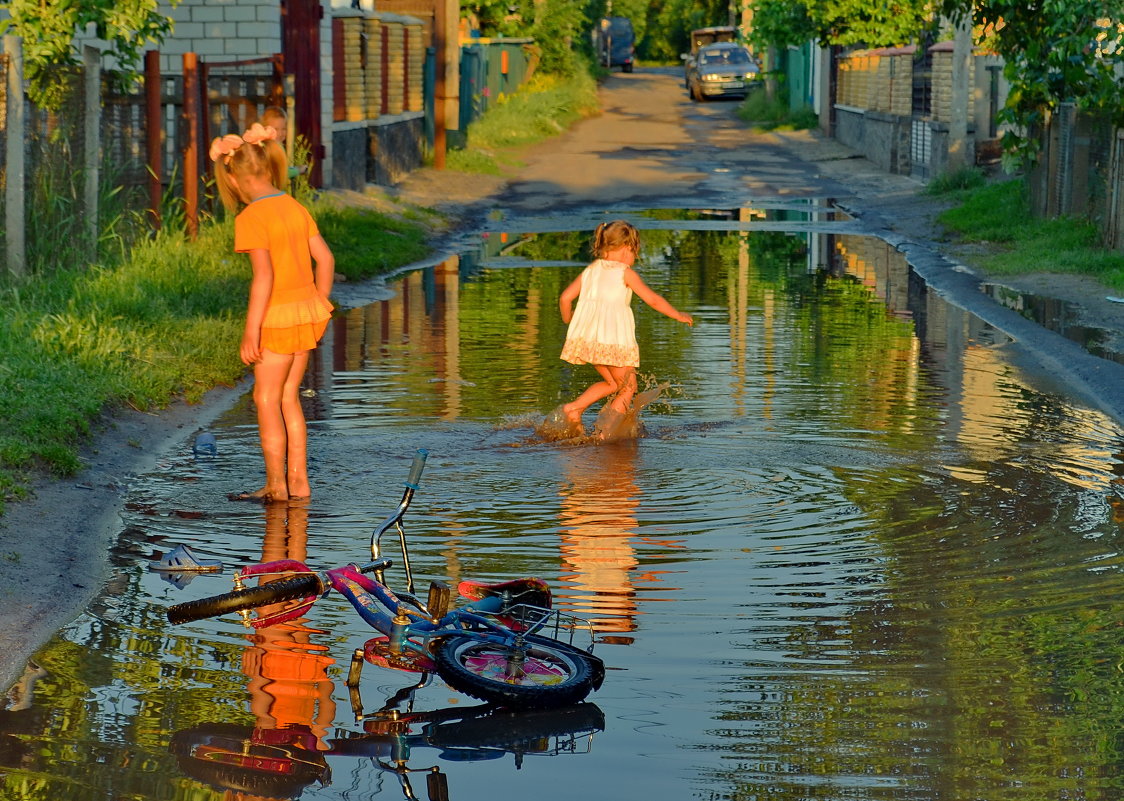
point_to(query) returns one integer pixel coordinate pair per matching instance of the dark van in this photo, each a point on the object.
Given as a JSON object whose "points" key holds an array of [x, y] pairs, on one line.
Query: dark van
{"points": [[613, 39]]}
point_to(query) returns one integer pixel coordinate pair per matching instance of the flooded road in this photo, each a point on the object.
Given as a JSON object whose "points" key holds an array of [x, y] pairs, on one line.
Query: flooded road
{"points": [[858, 554]]}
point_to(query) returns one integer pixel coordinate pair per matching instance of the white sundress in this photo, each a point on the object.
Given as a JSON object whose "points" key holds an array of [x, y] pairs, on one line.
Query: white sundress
{"points": [[603, 330]]}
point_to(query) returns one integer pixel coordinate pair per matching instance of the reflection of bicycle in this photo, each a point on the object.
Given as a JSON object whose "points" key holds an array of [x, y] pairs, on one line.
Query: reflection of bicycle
{"points": [[504, 648], [282, 762]]}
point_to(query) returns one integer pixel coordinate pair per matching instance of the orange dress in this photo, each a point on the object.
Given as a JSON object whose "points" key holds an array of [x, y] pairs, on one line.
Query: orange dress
{"points": [[297, 314]]}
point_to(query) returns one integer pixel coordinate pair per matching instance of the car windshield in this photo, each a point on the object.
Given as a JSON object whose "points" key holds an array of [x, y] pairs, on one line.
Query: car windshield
{"points": [[724, 57]]}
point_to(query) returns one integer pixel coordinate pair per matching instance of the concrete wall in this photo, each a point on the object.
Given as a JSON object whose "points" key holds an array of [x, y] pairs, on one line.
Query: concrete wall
{"points": [[882, 138]]}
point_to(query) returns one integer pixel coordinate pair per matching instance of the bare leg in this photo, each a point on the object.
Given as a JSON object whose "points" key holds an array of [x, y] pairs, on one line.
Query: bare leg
{"points": [[270, 376], [602, 389], [296, 430], [626, 380]]}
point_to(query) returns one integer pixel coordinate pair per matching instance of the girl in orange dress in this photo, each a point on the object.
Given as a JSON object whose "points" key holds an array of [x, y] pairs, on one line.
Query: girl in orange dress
{"points": [[288, 309], [602, 331]]}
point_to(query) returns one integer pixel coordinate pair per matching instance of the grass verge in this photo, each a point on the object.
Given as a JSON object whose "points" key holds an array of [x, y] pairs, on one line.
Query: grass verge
{"points": [[543, 107], [998, 216], [162, 324], [758, 111]]}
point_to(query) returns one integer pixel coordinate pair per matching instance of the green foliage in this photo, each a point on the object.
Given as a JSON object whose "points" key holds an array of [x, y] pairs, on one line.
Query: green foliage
{"points": [[848, 23], [1054, 52], [367, 243], [780, 24], [770, 115], [48, 30], [668, 26], [956, 181], [558, 26]]}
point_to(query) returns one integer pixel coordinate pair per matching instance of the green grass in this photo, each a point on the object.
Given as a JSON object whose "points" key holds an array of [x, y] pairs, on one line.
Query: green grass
{"points": [[160, 324], [760, 112], [543, 107], [956, 181], [367, 243], [998, 215]]}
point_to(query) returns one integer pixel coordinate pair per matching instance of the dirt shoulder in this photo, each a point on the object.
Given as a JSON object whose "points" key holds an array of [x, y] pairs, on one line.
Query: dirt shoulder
{"points": [[650, 146]]}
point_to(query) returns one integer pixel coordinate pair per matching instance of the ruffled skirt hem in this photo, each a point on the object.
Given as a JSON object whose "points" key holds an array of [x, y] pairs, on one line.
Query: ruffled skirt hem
{"points": [[584, 351], [296, 325]]}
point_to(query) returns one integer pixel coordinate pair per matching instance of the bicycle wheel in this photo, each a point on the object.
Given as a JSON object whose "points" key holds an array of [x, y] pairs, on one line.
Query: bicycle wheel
{"points": [[517, 730], [547, 674], [290, 589]]}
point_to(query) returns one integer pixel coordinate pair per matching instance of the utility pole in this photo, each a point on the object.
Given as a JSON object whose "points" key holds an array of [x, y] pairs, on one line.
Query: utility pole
{"points": [[961, 75]]}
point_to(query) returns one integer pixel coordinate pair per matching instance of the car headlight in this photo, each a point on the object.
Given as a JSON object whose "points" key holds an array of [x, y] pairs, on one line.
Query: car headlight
{"points": [[749, 76], [711, 77]]}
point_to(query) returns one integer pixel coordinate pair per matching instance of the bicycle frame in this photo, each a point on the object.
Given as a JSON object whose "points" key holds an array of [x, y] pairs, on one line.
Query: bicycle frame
{"points": [[491, 649]]}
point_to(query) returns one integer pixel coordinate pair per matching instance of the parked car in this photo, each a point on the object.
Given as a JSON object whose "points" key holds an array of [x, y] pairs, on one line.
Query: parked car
{"points": [[701, 37], [613, 41], [725, 69]]}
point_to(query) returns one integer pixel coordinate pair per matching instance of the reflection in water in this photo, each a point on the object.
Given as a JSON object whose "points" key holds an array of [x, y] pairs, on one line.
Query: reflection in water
{"points": [[398, 740], [288, 673], [897, 563], [598, 517]]}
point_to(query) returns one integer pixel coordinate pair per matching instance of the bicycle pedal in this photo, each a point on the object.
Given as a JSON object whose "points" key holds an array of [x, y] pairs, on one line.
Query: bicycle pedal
{"points": [[440, 599]]}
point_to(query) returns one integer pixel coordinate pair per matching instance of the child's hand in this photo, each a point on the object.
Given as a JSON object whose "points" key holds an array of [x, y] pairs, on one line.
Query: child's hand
{"points": [[686, 318], [250, 350]]}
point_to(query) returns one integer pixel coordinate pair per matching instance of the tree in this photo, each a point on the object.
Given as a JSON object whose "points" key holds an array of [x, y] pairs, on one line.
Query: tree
{"points": [[48, 27], [1055, 51], [784, 23]]}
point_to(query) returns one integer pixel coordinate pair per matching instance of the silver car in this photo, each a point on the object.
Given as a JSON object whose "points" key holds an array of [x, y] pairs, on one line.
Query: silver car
{"points": [[725, 69]]}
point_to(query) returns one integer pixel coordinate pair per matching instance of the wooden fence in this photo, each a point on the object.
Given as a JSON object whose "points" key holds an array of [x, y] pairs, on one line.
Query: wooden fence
{"points": [[1080, 172]]}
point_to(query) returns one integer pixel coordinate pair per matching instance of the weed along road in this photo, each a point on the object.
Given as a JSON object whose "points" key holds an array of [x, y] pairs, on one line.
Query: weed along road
{"points": [[865, 545]]}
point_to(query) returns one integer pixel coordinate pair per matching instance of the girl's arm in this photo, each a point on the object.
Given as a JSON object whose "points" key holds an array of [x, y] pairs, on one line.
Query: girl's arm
{"points": [[325, 265], [634, 282], [261, 286], [566, 299]]}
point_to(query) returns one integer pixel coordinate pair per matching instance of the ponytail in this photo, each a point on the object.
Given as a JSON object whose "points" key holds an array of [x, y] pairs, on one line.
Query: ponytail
{"points": [[256, 152], [612, 235]]}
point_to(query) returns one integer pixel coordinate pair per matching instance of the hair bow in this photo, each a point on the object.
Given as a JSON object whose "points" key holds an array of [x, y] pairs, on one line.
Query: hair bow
{"points": [[259, 133], [223, 146]]}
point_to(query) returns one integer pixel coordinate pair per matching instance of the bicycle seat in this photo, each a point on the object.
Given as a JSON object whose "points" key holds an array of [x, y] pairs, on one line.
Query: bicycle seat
{"points": [[529, 591]]}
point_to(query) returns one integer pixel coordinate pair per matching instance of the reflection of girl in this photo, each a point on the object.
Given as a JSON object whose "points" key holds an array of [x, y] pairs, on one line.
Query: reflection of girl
{"points": [[289, 684], [602, 331], [598, 516]]}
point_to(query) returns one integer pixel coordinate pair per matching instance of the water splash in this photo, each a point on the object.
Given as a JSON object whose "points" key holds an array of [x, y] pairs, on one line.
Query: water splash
{"points": [[610, 425]]}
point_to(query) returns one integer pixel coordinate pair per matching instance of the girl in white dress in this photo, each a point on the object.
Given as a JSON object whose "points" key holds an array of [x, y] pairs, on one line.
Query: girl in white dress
{"points": [[602, 331]]}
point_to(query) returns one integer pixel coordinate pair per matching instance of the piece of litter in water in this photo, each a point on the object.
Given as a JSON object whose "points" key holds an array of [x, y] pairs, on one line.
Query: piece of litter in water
{"points": [[1114, 299], [182, 559]]}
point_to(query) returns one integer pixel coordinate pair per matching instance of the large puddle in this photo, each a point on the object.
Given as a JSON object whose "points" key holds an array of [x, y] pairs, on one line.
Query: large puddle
{"points": [[856, 555]]}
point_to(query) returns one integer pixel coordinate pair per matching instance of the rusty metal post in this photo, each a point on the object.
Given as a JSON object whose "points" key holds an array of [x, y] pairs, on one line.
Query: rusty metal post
{"points": [[154, 129], [191, 151], [440, 110]]}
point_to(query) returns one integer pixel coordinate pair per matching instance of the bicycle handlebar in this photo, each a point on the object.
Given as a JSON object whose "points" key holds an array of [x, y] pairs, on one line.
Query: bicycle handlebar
{"points": [[414, 478]]}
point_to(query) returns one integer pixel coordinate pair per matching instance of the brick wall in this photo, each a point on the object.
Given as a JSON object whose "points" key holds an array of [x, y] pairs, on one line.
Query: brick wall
{"points": [[221, 30], [380, 66], [877, 80]]}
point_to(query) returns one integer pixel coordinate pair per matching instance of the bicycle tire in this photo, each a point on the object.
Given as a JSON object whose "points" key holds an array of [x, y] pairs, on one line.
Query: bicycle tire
{"points": [[515, 730], [290, 589], [558, 677]]}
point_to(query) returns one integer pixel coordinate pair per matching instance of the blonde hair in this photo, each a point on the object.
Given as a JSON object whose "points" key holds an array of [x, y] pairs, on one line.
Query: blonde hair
{"points": [[265, 159], [612, 235], [272, 113]]}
